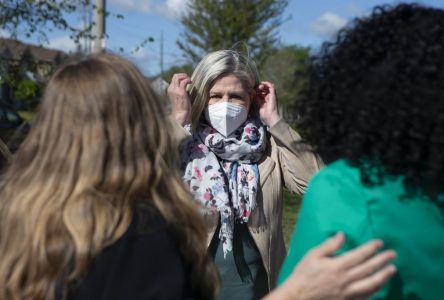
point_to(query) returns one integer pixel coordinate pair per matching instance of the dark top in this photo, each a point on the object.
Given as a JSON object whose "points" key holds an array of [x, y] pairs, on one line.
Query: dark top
{"points": [[242, 273], [143, 264]]}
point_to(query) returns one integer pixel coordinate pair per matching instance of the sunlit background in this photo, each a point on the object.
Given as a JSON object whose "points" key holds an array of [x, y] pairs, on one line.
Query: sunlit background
{"points": [[306, 23]]}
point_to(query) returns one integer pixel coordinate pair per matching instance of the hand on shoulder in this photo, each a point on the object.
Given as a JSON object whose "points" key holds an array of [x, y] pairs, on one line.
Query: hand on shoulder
{"points": [[356, 274]]}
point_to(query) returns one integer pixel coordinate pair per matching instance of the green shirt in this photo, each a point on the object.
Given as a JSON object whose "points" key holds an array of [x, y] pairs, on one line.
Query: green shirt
{"points": [[336, 200]]}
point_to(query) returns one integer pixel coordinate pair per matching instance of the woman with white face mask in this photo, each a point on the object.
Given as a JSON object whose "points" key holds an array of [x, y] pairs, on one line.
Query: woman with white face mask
{"points": [[237, 156]]}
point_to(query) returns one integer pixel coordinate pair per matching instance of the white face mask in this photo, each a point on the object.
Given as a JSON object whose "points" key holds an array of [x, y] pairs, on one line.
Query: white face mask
{"points": [[226, 117]]}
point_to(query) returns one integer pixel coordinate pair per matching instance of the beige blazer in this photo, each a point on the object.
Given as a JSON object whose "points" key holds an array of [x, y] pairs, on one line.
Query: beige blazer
{"points": [[285, 164]]}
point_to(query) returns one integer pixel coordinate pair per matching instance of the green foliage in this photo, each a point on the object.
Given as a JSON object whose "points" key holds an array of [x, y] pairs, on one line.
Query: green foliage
{"points": [[290, 212], [26, 89], [214, 25], [15, 74], [27, 115], [37, 17], [287, 68], [141, 45], [27, 92]]}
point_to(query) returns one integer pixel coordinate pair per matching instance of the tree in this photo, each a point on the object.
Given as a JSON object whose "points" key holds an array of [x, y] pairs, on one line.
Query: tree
{"points": [[287, 68], [27, 92], [37, 17], [213, 25]]}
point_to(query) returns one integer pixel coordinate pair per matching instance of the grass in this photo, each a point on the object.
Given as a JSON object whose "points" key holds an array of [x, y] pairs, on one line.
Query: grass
{"points": [[289, 214], [27, 115]]}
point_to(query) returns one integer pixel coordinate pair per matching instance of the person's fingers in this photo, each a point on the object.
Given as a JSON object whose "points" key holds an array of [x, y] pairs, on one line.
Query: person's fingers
{"points": [[270, 86], [371, 284], [260, 85], [269, 89], [359, 254], [184, 82], [370, 266], [258, 94], [329, 246], [267, 84], [178, 77]]}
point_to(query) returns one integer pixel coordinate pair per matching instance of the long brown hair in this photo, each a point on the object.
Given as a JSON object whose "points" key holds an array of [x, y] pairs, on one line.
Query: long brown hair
{"points": [[100, 145]]}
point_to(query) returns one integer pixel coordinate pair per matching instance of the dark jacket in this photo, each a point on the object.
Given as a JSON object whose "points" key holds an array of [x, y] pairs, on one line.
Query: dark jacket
{"points": [[143, 264]]}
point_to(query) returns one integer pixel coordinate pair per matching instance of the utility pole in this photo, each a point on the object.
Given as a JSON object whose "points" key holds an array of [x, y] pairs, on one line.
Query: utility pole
{"points": [[87, 21], [100, 15], [161, 54]]}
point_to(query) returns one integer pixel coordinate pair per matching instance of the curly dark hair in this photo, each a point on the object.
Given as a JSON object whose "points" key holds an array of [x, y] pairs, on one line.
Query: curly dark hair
{"points": [[376, 97]]}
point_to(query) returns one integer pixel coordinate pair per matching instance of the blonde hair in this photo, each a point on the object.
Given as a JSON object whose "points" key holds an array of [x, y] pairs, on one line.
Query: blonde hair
{"points": [[214, 66], [100, 146]]}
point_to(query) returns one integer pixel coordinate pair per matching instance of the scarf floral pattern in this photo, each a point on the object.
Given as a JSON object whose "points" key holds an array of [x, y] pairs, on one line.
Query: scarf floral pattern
{"points": [[222, 173]]}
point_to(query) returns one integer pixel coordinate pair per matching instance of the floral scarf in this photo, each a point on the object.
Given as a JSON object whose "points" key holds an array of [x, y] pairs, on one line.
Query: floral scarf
{"points": [[222, 173]]}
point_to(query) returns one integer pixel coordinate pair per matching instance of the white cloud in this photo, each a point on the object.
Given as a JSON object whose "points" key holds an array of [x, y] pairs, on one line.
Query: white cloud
{"points": [[63, 43], [327, 24], [134, 5], [176, 7], [171, 9]]}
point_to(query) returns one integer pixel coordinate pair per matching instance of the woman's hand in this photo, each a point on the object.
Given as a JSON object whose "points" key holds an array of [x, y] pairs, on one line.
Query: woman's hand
{"points": [[267, 103], [356, 274], [180, 102]]}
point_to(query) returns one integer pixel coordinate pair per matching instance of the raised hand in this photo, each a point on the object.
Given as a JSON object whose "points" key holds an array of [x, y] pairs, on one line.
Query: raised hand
{"points": [[267, 102], [180, 102]]}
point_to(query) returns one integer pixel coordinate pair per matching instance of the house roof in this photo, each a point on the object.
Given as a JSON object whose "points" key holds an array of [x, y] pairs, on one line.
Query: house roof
{"points": [[14, 49]]}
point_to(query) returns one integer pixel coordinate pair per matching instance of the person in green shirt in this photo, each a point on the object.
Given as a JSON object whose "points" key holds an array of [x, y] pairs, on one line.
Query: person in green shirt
{"points": [[374, 111]]}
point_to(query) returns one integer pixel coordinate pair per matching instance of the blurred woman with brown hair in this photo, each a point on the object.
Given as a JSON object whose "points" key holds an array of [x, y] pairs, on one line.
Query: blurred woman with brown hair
{"points": [[93, 206]]}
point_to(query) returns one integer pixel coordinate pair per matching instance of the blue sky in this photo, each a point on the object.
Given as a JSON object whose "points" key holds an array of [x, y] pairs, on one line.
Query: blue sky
{"points": [[307, 23]]}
